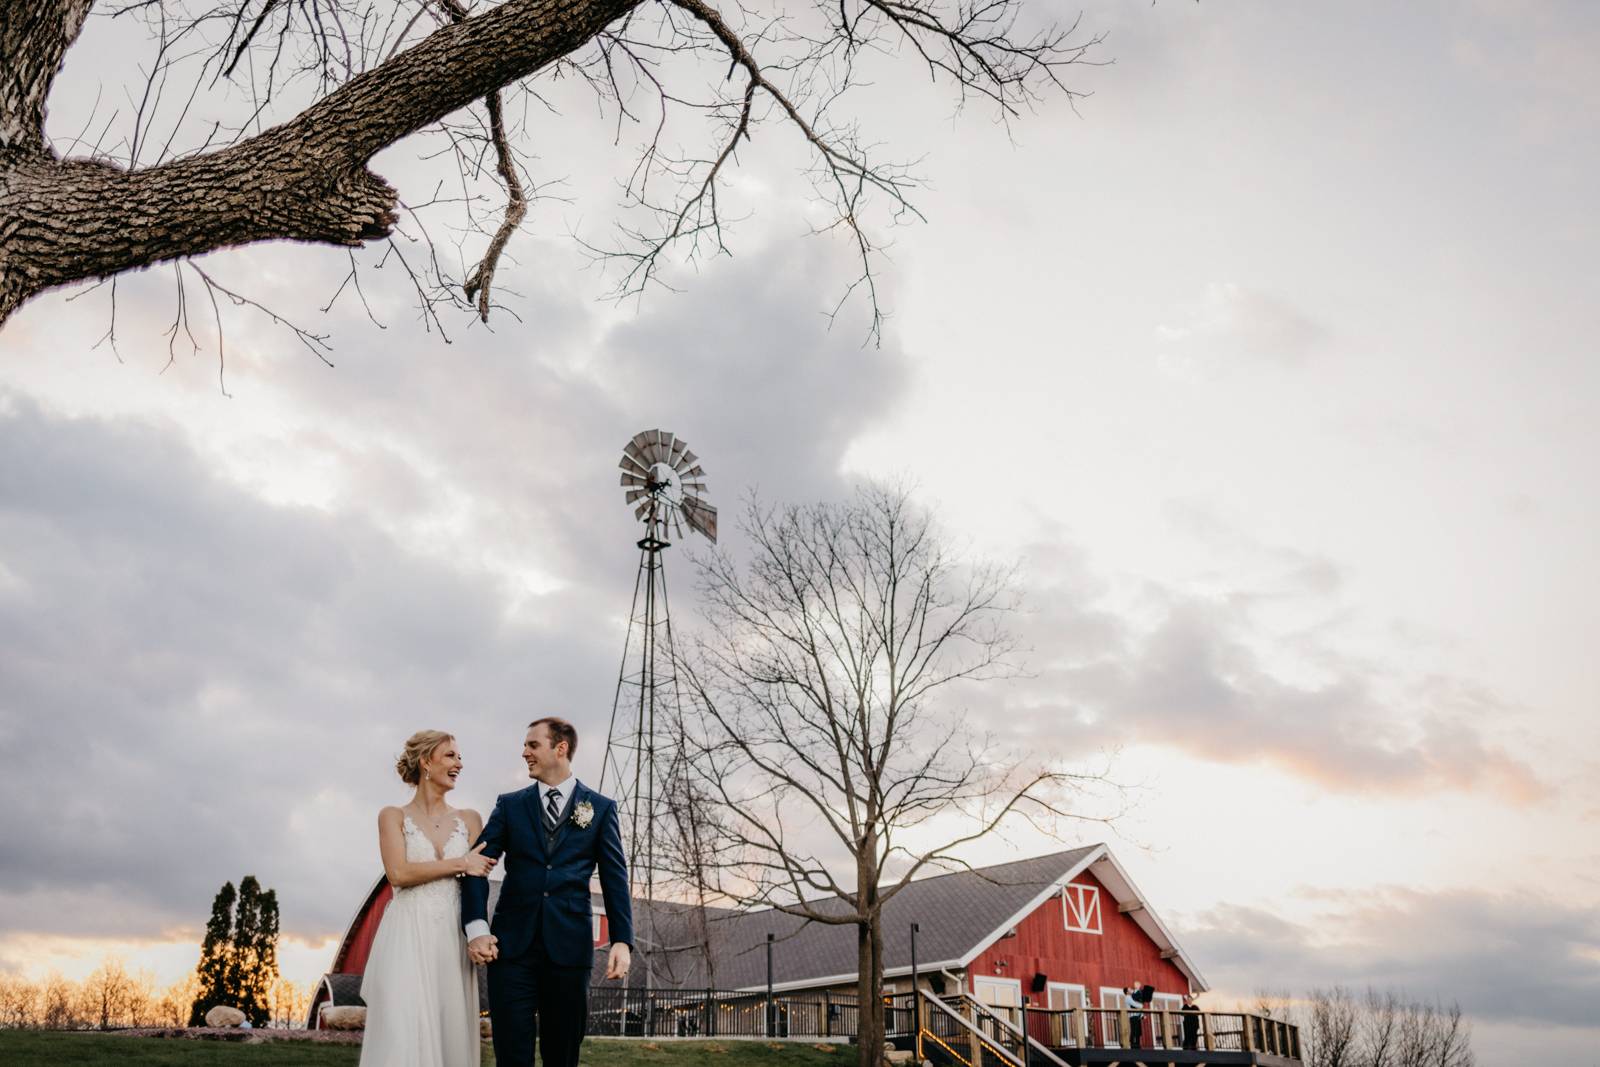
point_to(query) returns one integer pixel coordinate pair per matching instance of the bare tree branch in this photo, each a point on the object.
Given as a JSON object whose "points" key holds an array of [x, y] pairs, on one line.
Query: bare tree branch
{"points": [[329, 83]]}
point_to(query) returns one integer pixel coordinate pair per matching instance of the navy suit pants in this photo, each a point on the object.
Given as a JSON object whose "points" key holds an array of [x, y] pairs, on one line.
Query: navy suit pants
{"points": [[531, 999]]}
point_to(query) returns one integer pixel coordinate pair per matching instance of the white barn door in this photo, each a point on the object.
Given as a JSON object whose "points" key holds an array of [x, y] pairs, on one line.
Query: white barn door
{"points": [[1002, 995]]}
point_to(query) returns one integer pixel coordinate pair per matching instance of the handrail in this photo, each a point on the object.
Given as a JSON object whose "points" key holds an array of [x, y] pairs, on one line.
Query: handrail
{"points": [[1028, 1041], [966, 1024], [942, 1043]]}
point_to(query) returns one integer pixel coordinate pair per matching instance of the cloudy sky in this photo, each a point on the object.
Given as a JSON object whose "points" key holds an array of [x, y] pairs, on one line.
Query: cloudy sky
{"points": [[1271, 361]]}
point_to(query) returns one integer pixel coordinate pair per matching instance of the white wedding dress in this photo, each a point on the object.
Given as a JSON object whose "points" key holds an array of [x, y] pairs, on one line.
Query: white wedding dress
{"points": [[421, 990]]}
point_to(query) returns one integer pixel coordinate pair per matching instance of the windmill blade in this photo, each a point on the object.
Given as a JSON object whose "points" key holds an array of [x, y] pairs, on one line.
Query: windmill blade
{"points": [[640, 440], [634, 494], [696, 471], [676, 525], [667, 441], [687, 458], [702, 517], [642, 510], [631, 462], [698, 487], [629, 479], [678, 449]]}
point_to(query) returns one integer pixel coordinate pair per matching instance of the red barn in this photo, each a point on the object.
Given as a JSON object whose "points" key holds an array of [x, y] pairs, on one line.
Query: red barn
{"points": [[1064, 930]]}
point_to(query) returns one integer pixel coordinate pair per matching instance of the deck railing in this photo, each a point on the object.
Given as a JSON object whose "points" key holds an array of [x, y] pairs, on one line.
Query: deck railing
{"points": [[985, 1035], [618, 1012], [1206, 1031]]}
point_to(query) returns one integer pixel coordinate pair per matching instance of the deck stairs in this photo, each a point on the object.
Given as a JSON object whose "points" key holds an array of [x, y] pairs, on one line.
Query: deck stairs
{"points": [[960, 1031]]}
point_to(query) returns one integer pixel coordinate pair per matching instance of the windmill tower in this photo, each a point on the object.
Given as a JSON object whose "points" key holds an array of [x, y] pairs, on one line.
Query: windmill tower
{"points": [[663, 481]]}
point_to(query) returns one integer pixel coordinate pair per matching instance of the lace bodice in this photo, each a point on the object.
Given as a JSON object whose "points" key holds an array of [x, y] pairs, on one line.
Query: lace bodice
{"points": [[441, 894]]}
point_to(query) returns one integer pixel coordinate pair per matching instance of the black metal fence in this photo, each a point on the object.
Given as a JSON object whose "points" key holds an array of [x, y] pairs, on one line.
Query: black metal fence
{"points": [[618, 1012]]}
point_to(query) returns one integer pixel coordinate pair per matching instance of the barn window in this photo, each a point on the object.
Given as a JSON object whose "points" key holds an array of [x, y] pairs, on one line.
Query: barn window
{"points": [[1080, 907]]}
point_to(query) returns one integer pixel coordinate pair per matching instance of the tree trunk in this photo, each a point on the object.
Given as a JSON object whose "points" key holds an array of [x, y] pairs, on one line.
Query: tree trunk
{"points": [[869, 957], [869, 998], [66, 220]]}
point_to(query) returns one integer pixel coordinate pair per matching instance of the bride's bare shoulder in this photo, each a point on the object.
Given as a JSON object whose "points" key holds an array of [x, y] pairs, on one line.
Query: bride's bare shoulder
{"points": [[390, 816], [473, 820]]}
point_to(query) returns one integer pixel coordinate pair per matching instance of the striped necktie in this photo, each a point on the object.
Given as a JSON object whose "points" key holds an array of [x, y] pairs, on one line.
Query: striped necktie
{"points": [[552, 805]]}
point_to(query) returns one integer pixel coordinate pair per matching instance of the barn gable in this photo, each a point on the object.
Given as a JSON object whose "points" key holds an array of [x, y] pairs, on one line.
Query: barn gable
{"points": [[1077, 938], [1094, 922]]}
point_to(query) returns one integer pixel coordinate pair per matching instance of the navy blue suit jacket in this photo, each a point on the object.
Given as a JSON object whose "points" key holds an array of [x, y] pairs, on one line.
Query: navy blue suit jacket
{"points": [[545, 895]]}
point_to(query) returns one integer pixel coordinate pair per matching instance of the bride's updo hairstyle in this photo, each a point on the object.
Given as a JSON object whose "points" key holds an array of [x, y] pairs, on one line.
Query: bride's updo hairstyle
{"points": [[419, 746]]}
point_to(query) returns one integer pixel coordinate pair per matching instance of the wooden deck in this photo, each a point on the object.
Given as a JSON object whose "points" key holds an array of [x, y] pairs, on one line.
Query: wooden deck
{"points": [[1162, 1034], [959, 1031], [1112, 1057]]}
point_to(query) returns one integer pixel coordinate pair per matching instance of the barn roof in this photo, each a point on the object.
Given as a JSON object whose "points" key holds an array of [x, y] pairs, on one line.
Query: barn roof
{"points": [[959, 914]]}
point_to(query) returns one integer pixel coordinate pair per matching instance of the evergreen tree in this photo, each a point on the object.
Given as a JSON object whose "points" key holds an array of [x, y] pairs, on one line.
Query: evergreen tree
{"points": [[239, 957], [253, 965], [216, 954]]}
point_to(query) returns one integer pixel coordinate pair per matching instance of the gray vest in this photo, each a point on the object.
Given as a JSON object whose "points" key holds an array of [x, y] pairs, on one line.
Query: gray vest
{"points": [[550, 825]]}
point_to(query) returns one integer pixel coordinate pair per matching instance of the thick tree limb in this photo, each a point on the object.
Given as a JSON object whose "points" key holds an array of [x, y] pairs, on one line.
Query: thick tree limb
{"points": [[34, 37], [63, 221]]}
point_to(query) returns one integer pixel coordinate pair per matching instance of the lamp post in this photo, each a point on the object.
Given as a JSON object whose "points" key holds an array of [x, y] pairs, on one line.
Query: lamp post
{"points": [[916, 996], [769, 985]]}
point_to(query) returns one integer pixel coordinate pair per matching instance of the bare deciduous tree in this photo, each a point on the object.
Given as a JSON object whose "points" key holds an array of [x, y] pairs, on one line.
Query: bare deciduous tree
{"points": [[1334, 1025], [330, 83], [1378, 1036], [19, 1002], [112, 997], [828, 738], [59, 1002]]}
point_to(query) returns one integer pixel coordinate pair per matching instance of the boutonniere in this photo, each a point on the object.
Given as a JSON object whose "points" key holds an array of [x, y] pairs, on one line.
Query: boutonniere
{"points": [[583, 815]]}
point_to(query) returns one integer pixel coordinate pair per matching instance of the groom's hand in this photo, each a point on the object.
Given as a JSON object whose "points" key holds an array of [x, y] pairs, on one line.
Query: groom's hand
{"points": [[618, 961], [483, 949]]}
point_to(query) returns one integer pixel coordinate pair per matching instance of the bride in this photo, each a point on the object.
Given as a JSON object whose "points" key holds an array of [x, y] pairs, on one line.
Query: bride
{"points": [[420, 988]]}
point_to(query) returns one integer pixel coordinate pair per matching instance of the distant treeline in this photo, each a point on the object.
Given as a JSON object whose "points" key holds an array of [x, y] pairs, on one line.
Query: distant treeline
{"points": [[1340, 1027], [112, 998]]}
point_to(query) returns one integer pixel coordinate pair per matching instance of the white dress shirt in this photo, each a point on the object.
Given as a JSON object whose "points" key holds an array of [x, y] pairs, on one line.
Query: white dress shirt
{"points": [[480, 928]]}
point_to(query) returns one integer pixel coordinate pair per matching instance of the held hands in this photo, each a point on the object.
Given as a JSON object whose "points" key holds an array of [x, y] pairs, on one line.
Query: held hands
{"points": [[483, 949], [618, 962], [475, 864]]}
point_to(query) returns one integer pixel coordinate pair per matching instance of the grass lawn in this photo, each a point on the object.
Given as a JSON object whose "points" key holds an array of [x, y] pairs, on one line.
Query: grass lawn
{"points": [[31, 1049]]}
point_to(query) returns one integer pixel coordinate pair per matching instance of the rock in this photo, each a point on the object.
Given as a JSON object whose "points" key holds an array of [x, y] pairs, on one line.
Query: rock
{"points": [[222, 1015], [895, 1057], [343, 1017]]}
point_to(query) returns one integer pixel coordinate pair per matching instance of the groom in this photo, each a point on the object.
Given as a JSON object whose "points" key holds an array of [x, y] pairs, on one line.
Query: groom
{"points": [[552, 834]]}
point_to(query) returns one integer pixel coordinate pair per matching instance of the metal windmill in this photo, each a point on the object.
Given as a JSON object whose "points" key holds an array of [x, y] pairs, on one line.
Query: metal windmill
{"points": [[663, 480]]}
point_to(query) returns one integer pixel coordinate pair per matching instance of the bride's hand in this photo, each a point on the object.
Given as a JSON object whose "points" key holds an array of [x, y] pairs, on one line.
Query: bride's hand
{"points": [[475, 864]]}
